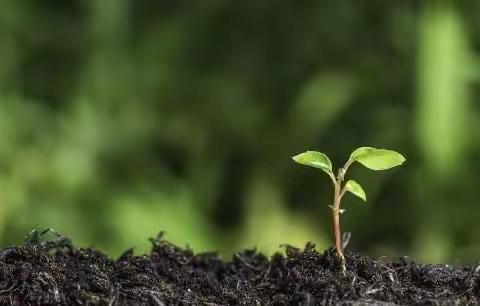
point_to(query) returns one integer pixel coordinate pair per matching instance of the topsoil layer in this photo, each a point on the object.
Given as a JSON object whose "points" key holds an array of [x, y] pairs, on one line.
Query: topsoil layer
{"points": [[56, 273]]}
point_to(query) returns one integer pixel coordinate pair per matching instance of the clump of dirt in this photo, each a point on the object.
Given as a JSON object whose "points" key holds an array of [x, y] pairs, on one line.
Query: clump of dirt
{"points": [[56, 273]]}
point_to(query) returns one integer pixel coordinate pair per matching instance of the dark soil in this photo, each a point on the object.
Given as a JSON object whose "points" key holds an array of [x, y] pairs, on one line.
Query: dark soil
{"points": [[56, 273]]}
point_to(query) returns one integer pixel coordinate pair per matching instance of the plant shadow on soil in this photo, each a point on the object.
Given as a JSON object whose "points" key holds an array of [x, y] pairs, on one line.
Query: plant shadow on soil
{"points": [[54, 272]]}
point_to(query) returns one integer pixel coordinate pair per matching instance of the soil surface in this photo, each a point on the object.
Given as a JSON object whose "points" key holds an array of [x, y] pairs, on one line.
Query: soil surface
{"points": [[54, 272]]}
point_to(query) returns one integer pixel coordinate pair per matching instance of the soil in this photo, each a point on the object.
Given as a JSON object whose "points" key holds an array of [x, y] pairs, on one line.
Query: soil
{"points": [[54, 272]]}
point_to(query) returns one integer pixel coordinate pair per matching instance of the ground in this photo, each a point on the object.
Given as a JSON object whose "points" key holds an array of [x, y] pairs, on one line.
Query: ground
{"points": [[54, 272]]}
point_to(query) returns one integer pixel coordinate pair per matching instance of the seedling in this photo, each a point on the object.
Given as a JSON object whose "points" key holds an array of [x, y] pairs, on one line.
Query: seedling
{"points": [[372, 158]]}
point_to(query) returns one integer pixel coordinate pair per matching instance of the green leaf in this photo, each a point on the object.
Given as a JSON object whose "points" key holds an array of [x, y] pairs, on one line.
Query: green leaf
{"points": [[356, 189], [377, 159], [314, 159]]}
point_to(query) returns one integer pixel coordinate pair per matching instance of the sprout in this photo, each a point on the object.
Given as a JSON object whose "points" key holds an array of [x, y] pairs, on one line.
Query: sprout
{"points": [[372, 158]]}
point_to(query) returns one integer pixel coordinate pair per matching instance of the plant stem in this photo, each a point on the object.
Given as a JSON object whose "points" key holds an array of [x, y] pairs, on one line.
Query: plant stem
{"points": [[337, 197], [336, 222]]}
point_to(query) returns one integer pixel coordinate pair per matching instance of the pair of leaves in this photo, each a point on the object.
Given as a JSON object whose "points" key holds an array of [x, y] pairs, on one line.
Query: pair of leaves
{"points": [[372, 158]]}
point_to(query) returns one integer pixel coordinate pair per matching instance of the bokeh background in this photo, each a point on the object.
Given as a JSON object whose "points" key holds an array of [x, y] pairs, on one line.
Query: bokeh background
{"points": [[122, 118]]}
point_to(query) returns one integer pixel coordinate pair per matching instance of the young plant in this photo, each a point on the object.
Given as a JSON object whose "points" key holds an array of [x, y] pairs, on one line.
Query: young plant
{"points": [[372, 158]]}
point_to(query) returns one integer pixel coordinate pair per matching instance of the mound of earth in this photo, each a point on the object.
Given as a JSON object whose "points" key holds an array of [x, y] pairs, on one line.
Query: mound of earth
{"points": [[56, 273]]}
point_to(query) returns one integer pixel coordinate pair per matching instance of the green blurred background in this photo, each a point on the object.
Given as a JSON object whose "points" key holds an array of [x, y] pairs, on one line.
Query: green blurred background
{"points": [[122, 118]]}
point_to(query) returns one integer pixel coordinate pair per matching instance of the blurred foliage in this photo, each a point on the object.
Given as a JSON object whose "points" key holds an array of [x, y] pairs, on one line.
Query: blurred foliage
{"points": [[122, 118]]}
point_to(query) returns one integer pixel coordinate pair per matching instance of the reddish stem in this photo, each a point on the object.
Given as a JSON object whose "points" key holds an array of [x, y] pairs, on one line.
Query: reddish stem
{"points": [[337, 197], [336, 222]]}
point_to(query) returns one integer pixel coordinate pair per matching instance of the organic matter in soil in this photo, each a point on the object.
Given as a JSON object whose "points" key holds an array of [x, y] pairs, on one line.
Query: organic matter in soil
{"points": [[56, 273]]}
